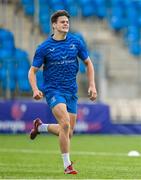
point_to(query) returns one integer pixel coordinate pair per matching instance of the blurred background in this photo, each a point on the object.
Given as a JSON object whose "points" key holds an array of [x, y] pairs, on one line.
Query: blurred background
{"points": [[112, 31]]}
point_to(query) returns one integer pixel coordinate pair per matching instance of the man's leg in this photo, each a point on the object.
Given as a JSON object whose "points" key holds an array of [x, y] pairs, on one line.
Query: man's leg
{"points": [[51, 128], [62, 116], [54, 128], [39, 127], [73, 118], [64, 129]]}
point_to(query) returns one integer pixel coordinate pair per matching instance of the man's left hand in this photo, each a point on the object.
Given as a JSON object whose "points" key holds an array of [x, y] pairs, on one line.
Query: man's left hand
{"points": [[92, 93]]}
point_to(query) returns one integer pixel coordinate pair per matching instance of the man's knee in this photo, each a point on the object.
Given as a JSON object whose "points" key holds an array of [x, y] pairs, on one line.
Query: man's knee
{"points": [[65, 125]]}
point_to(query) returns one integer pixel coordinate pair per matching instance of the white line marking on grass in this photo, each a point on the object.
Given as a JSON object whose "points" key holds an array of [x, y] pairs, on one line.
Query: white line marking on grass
{"points": [[81, 153], [22, 165], [15, 178]]}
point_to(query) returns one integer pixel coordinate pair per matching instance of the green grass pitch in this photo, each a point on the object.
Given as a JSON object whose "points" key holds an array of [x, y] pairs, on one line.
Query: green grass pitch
{"points": [[94, 156]]}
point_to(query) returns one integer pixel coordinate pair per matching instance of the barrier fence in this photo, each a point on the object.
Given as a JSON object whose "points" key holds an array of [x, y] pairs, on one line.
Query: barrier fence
{"points": [[17, 116]]}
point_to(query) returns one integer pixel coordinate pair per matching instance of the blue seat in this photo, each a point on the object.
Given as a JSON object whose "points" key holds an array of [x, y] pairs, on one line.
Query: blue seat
{"points": [[12, 80], [80, 37], [116, 2], [100, 2], [6, 54], [44, 18], [53, 2], [29, 9], [23, 65], [117, 20], [27, 1], [22, 80], [132, 34], [101, 12], [24, 85], [135, 49], [132, 16], [8, 79], [8, 44], [139, 21], [5, 34], [84, 2], [73, 10], [57, 5], [41, 2], [126, 3], [20, 54], [87, 8], [9, 73], [7, 51], [28, 6], [44, 9], [45, 28], [69, 2], [14, 64], [22, 59], [6, 39], [72, 7], [87, 11], [3, 78]]}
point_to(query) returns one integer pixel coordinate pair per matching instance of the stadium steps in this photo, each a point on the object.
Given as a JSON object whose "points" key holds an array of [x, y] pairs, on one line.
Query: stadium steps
{"points": [[121, 68], [125, 110]]}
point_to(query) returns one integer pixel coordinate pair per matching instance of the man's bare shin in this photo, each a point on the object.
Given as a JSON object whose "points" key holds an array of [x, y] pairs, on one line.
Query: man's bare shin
{"points": [[54, 129], [64, 141]]}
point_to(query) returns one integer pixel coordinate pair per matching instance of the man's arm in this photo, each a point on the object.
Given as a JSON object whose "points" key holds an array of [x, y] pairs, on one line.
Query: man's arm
{"points": [[37, 94], [92, 93]]}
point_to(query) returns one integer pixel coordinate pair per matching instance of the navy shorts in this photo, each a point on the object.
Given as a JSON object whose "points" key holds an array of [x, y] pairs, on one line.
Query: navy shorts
{"points": [[70, 100]]}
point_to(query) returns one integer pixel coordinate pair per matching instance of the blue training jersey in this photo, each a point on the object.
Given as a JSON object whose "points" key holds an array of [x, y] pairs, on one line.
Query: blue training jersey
{"points": [[60, 63]]}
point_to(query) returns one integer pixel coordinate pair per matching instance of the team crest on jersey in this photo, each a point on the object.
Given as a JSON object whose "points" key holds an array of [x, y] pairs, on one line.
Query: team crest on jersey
{"points": [[72, 46], [53, 99]]}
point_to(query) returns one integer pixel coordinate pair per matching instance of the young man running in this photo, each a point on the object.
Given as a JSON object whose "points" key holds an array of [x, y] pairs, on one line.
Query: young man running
{"points": [[59, 57]]}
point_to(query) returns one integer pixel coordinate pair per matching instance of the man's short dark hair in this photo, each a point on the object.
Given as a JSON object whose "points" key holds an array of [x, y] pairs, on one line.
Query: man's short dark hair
{"points": [[59, 13]]}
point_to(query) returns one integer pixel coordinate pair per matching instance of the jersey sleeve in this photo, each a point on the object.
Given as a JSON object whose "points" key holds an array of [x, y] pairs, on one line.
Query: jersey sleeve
{"points": [[38, 58], [82, 51]]}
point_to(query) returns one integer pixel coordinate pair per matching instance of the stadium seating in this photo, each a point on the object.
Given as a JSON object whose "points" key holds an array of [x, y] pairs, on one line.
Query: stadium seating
{"points": [[14, 65], [23, 65], [120, 15], [7, 45], [44, 18], [28, 6], [123, 16], [126, 16]]}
